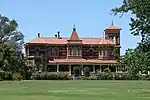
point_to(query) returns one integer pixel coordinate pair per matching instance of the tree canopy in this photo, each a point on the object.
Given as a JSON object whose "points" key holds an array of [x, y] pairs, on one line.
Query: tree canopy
{"points": [[11, 43], [137, 59], [140, 23]]}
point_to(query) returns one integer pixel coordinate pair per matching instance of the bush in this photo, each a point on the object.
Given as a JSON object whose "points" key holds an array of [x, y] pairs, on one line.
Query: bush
{"points": [[76, 71], [86, 71], [83, 78], [148, 77], [107, 70], [93, 77], [104, 76], [9, 76], [51, 76], [17, 77], [2, 75]]}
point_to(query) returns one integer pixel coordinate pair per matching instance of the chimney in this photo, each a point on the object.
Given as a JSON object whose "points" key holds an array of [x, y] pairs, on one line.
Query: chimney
{"points": [[55, 35], [38, 35], [58, 33]]}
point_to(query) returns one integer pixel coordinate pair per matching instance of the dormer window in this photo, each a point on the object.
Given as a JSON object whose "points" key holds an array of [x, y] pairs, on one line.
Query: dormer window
{"points": [[74, 51]]}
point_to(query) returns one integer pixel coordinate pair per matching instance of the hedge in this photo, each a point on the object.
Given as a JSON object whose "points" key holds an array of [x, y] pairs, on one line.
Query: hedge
{"points": [[51, 76]]}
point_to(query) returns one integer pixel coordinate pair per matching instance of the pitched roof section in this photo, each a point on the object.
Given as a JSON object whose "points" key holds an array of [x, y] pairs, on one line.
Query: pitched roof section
{"points": [[74, 35], [52, 40], [112, 26]]}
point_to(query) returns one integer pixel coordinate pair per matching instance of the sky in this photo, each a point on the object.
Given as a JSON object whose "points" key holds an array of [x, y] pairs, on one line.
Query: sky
{"points": [[47, 17]]}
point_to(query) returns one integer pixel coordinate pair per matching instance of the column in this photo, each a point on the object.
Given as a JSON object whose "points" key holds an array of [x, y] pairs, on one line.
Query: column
{"points": [[102, 53], [100, 68], [57, 67], [93, 68], [27, 51], [67, 52], [116, 68], [82, 69], [105, 52], [99, 53], [69, 69]]}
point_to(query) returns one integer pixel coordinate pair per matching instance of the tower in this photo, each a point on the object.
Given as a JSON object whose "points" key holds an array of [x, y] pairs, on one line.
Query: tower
{"points": [[74, 45], [113, 33]]}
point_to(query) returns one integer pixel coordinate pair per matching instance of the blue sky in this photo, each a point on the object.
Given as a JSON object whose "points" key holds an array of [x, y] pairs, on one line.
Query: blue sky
{"points": [[90, 17]]}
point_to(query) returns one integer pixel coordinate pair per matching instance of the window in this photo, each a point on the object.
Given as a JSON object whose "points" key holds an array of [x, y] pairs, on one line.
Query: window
{"points": [[49, 51], [74, 51], [55, 51], [37, 50], [111, 38], [91, 51]]}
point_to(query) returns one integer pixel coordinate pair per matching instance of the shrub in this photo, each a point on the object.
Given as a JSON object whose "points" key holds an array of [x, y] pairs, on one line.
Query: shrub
{"points": [[104, 76], [107, 70], [51, 76], [2, 75], [148, 77], [86, 71], [35, 76], [9, 76], [76, 71], [83, 78], [17, 76], [93, 77]]}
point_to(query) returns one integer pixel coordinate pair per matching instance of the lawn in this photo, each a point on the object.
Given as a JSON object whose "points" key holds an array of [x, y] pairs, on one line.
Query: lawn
{"points": [[75, 90]]}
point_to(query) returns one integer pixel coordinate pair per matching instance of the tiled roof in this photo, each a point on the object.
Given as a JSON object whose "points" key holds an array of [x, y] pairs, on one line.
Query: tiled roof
{"points": [[52, 40], [83, 61], [74, 35], [113, 27]]}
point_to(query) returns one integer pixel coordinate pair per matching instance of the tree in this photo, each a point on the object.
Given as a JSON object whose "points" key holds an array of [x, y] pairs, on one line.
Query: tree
{"points": [[137, 59], [76, 71], [140, 23], [11, 43], [86, 71]]}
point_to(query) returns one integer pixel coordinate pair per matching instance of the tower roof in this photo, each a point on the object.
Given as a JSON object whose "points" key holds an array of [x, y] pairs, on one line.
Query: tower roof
{"points": [[74, 35], [112, 26]]}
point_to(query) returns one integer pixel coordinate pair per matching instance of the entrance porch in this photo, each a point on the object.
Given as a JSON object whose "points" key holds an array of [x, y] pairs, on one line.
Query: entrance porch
{"points": [[93, 68]]}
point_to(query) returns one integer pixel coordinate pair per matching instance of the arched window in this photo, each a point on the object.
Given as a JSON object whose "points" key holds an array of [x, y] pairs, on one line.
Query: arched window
{"points": [[49, 51], [91, 51], [37, 50], [55, 51]]}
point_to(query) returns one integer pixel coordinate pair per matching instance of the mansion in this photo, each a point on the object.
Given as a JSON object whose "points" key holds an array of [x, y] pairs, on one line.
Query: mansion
{"points": [[58, 54]]}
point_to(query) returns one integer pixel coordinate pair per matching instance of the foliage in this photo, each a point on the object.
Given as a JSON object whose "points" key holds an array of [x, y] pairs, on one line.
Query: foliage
{"points": [[76, 71], [83, 78], [17, 76], [140, 23], [9, 76], [86, 71], [107, 70], [11, 42], [2, 75], [118, 76], [136, 61], [50, 76]]}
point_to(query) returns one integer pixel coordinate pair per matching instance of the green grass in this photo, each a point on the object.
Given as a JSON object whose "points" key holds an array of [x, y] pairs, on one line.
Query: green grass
{"points": [[75, 90]]}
